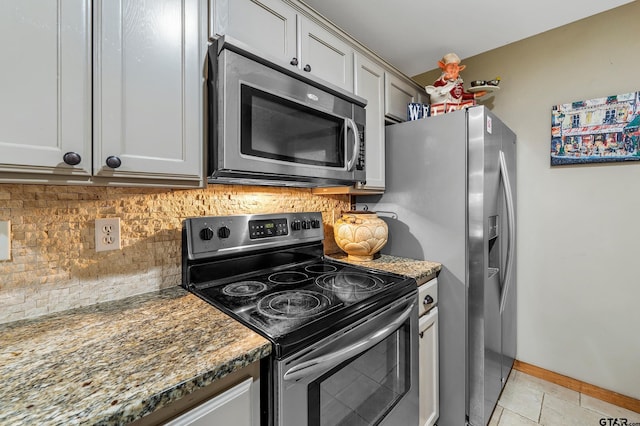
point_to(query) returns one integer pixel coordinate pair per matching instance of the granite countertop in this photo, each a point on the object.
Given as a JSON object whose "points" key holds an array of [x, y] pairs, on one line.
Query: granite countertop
{"points": [[114, 362], [421, 270]]}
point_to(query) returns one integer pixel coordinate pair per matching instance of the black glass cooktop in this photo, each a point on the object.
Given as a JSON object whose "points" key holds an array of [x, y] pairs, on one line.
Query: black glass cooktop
{"points": [[291, 305]]}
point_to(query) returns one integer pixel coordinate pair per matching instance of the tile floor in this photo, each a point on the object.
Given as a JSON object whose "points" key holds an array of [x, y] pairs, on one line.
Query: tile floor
{"points": [[527, 400]]}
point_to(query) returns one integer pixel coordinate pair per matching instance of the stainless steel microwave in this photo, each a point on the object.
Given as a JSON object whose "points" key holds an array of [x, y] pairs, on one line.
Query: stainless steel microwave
{"points": [[270, 124]]}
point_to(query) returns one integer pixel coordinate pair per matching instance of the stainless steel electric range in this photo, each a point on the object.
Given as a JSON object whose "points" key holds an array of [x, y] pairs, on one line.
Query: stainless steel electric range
{"points": [[344, 347]]}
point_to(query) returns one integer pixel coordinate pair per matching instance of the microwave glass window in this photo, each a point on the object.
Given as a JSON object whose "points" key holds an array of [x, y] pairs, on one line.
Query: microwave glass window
{"points": [[280, 129], [363, 390]]}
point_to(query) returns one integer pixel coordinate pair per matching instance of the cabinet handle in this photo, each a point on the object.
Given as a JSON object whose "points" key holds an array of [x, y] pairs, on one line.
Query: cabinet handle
{"points": [[294, 61], [71, 158], [113, 162], [427, 300], [307, 68]]}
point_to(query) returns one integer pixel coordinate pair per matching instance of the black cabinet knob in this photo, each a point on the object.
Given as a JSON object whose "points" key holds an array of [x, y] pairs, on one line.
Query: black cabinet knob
{"points": [[71, 158], [307, 68], [224, 232], [427, 300], [294, 61], [113, 162]]}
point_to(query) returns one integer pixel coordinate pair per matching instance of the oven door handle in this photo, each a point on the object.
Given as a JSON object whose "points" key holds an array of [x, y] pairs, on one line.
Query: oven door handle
{"points": [[326, 362]]}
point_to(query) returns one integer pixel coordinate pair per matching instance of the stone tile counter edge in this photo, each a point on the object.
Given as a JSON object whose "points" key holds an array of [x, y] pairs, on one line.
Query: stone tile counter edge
{"points": [[421, 270], [115, 362]]}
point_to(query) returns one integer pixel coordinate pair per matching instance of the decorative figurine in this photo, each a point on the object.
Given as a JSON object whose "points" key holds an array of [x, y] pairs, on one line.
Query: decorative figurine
{"points": [[448, 89]]}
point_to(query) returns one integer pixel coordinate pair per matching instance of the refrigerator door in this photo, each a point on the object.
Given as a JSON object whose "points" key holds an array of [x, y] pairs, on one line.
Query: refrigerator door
{"points": [[485, 244], [508, 301]]}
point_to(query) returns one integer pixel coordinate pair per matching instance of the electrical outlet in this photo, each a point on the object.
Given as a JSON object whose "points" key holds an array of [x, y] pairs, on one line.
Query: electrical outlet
{"points": [[108, 234], [5, 239]]}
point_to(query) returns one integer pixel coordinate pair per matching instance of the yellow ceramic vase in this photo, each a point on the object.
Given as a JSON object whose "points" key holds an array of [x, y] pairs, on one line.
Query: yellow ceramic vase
{"points": [[360, 234]]}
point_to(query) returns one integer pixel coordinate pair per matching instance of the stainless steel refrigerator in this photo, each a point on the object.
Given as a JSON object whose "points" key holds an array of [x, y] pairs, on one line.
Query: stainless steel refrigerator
{"points": [[450, 197]]}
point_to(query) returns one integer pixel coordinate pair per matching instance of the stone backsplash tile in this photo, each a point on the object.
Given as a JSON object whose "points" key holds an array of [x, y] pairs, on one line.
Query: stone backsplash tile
{"points": [[54, 265]]}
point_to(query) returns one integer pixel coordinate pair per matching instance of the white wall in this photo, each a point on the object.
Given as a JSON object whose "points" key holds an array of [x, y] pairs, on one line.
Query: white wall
{"points": [[579, 226]]}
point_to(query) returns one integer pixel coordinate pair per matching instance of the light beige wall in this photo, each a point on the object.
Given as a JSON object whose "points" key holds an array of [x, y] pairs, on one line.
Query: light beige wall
{"points": [[54, 265], [578, 227]]}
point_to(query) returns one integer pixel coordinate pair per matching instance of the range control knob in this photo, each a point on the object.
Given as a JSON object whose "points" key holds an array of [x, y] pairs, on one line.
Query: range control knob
{"points": [[224, 232], [296, 225], [315, 223], [206, 234], [306, 224]]}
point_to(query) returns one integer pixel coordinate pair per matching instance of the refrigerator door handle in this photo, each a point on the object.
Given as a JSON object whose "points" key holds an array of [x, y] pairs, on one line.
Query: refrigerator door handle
{"points": [[504, 174]]}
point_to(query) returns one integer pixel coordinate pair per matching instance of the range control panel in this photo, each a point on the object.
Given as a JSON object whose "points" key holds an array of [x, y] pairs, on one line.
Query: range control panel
{"points": [[212, 236], [265, 228]]}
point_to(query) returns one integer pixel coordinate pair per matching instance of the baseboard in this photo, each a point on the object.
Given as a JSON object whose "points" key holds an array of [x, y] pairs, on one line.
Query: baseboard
{"points": [[579, 386]]}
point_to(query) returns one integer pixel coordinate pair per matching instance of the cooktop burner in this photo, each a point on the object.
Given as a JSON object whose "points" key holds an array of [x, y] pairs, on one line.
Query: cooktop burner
{"points": [[290, 277], [350, 286], [293, 304], [320, 268], [244, 288]]}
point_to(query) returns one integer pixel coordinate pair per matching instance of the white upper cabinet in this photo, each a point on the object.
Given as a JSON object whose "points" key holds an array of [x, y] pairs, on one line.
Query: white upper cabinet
{"points": [[148, 86], [144, 111], [45, 87], [278, 31], [370, 85], [267, 25], [325, 55], [398, 93]]}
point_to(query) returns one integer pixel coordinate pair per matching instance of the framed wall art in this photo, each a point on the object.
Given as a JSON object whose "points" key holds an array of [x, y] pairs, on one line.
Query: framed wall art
{"points": [[596, 130]]}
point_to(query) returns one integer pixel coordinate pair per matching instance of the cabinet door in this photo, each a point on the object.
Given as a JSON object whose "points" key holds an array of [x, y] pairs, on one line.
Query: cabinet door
{"points": [[45, 86], [267, 25], [148, 85], [429, 365], [398, 93], [370, 85], [232, 407], [325, 55]]}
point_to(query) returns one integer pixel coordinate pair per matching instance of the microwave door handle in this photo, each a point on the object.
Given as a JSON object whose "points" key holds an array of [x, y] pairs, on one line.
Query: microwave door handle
{"points": [[326, 362], [356, 142]]}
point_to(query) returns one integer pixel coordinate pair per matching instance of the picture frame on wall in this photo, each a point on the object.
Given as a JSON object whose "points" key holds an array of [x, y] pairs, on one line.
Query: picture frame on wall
{"points": [[599, 130]]}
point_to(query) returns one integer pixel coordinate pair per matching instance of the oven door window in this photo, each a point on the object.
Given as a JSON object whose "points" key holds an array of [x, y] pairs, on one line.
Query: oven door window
{"points": [[364, 389], [281, 129]]}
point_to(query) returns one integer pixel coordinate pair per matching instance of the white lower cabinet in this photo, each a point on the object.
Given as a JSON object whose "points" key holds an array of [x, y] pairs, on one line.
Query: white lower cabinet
{"points": [[231, 400], [429, 364], [232, 407]]}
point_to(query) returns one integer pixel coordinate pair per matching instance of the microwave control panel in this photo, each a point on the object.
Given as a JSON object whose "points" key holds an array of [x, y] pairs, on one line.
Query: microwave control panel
{"points": [[360, 160]]}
